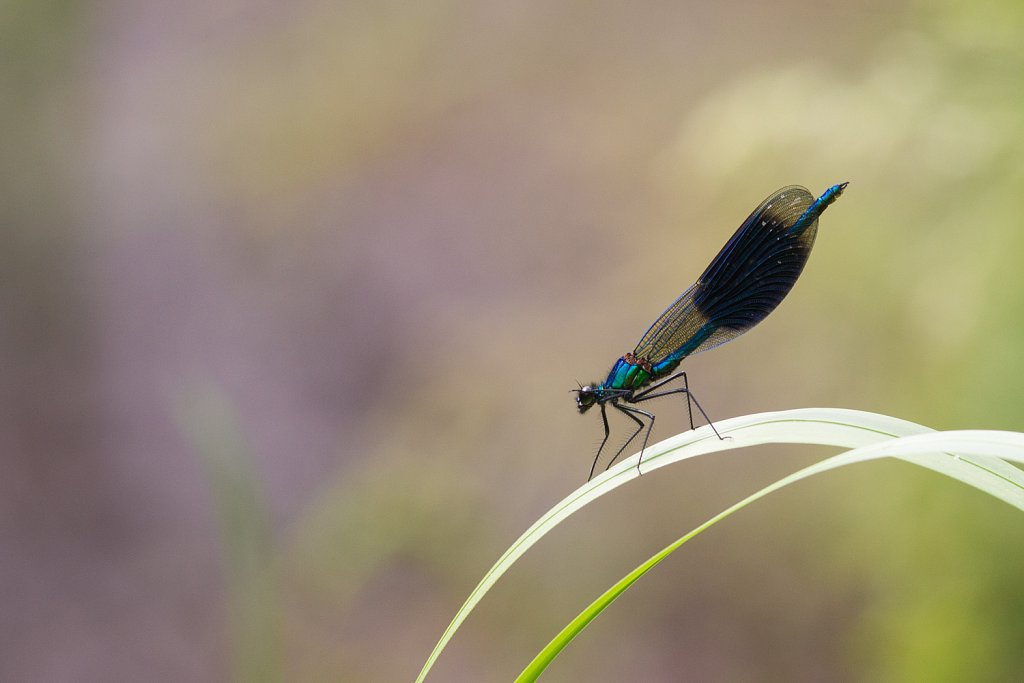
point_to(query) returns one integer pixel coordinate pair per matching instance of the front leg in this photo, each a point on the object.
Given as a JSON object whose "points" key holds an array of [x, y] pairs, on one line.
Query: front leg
{"points": [[604, 418]]}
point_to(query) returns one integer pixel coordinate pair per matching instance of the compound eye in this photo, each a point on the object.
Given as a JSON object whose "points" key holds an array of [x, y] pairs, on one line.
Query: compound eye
{"points": [[587, 397]]}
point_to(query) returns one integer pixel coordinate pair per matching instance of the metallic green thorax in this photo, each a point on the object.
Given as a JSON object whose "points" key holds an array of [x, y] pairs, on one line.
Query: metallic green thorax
{"points": [[631, 373]]}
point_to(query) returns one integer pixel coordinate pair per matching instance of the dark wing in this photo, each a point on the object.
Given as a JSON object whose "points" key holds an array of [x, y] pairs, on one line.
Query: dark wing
{"points": [[750, 277]]}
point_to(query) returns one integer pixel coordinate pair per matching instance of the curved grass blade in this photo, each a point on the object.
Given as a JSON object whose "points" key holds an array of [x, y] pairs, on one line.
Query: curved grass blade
{"points": [[252, 580], [972, 457], [819, 426]]}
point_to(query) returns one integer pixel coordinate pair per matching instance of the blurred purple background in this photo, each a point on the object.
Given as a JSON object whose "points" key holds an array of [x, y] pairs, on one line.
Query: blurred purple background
{"points": [[378, 243]]}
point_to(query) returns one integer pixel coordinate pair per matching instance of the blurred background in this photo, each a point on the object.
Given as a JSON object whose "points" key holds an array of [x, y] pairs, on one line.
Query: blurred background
{"points": [[293, 295]]}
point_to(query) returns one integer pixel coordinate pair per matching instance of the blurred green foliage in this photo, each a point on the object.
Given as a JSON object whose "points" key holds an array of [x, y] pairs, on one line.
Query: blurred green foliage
{"points": [[251, 573]]}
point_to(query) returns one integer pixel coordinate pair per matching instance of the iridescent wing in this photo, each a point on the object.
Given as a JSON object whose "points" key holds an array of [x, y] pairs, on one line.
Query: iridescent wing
{"points": [[751, 275]]}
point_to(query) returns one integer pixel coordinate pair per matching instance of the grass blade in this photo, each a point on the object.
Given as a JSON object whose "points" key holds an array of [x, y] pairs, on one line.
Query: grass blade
{"points": [[251, 578], [820, 426], [972, 457]]}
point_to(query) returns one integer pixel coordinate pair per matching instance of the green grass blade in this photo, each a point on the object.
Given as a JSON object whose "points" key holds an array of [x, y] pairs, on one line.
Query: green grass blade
{"points": [[251, 577], [819, 426], [977, 462]]}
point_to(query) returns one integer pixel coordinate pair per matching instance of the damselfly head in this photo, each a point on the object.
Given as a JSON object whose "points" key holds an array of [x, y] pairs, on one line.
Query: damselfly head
{"points": [[586, 397]]}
